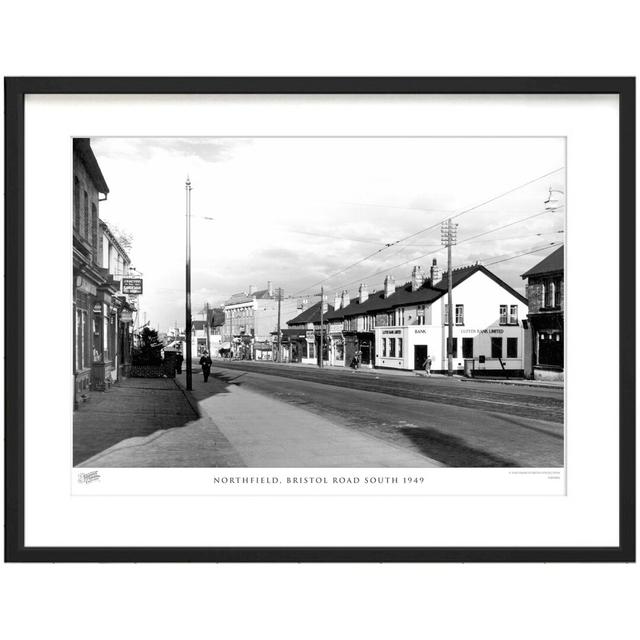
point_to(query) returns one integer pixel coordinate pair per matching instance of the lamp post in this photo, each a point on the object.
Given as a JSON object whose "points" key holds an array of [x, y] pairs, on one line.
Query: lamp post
{"points": [[188, 284]]}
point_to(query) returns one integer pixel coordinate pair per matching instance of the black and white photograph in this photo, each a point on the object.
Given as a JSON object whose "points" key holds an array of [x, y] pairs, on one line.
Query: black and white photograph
{"points": [[318, 302]]}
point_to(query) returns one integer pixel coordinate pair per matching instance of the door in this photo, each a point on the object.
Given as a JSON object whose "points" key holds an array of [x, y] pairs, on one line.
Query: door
{"points": [[420, 353]]}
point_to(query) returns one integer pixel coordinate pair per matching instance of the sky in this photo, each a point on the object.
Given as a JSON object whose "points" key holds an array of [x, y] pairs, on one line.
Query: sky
{"points": [[311, 212]]}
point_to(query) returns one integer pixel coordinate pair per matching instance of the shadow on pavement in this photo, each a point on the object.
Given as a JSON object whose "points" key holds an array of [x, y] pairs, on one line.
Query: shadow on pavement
{"points": [[133, 407], [450, 450]]}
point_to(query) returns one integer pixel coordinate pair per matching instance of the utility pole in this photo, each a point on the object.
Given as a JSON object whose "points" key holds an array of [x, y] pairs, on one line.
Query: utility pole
{"points": [[449, 236], [188, 285], [208, 321], [279, 351], [321, 324]]}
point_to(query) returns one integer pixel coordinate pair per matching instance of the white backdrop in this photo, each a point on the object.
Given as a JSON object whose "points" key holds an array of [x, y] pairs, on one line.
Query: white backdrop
{"points": [[361, 39]]}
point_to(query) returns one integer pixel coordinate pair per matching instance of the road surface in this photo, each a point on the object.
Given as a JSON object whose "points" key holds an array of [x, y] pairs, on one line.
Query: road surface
{"points": [[454, 422]]}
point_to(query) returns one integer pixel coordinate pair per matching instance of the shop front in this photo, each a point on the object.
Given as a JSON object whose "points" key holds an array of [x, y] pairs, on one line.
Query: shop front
{"points": [[495, 350], [548, 345]]}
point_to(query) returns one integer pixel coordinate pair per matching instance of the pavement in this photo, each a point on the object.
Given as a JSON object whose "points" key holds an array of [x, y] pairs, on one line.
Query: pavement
{"points": [[235, 427]]}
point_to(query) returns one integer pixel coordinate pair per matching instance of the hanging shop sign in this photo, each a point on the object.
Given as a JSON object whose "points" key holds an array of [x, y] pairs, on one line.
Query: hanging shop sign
{"points": [[132, 286]]}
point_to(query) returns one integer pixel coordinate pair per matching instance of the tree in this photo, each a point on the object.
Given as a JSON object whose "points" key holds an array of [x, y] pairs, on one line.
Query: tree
{"points": [[148, 349]]}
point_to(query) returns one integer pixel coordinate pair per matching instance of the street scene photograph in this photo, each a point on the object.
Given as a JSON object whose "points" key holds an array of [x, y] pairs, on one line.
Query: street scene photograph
{"points": [[318, 302]]}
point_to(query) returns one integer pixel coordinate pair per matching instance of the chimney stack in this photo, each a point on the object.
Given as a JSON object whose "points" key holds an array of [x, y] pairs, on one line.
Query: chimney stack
{"points": [[363, 293], [336, 300], [252, 289], [389, 286], [345, 298], [270, 288], [436, 274], [417, 278]]}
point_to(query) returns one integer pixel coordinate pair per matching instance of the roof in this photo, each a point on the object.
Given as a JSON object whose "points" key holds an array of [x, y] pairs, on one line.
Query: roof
{"points": [[217, 317], [239, 298], [82, 146], [263, 293], [552, 263], [376, 302], [312, 314]]}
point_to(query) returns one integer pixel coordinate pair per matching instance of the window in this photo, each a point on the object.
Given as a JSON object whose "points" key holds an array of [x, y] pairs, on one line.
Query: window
{"points": [[496, 347], [384, 347], [459, 314], [79, 340], [467, 347], [503, 314], [399, 319], [311, 350], [558, 293], [512, 347], [86, 360], [94, 230], [76, 203], [513, 314], [399, 347], [550, 294], [392, 347], [550, 348], [454, 347], [85, 216], [422, 311]]}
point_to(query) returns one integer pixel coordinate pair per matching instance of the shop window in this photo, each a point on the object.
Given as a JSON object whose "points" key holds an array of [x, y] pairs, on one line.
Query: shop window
{"points": [[392, 347], [512, 347], [311, 350], [503, 314], [384, 347], [399, 347], [467, 347], [79, 341], [496, 347], [550, 349]]}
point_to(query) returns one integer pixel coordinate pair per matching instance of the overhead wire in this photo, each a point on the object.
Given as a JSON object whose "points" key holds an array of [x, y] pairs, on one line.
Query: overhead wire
{"points": [[433, 226]]}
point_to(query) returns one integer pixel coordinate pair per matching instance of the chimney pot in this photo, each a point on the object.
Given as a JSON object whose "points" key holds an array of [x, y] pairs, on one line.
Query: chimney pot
{"points": [[389, 286]]}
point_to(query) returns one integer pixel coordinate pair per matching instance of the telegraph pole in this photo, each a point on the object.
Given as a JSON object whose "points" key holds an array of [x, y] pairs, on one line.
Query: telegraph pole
{"points": [[208, 330], [279, 351], [448, 236], [188, 285]]}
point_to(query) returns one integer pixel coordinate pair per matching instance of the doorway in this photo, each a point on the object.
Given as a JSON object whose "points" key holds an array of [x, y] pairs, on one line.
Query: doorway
{"points": [[420, 353]]}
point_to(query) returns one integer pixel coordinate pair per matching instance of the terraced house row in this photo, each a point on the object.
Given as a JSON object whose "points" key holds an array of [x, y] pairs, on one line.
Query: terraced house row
{"points": [[400, 325]]}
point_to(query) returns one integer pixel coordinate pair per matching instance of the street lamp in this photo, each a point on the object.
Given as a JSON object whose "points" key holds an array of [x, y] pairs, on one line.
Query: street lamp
{"points": [[188, 285]]}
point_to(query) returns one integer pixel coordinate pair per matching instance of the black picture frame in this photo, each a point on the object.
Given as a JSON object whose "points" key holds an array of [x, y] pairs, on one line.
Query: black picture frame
{"points": [[15, 91]]}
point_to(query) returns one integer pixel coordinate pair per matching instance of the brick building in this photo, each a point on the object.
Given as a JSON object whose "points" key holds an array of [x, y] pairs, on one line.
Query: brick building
{"points": [[544, 355]]}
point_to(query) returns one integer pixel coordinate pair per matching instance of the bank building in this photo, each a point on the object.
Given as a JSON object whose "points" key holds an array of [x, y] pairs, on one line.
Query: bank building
{"points": [[398, 327]]}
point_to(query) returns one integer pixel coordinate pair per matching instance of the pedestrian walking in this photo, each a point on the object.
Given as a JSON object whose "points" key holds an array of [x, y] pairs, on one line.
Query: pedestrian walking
{"points": [[205, 363], [427, 365], [179, 360], [358, 358]]}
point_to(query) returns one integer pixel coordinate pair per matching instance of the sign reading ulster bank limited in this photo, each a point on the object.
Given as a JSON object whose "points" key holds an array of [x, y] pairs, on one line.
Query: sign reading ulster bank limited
{"points": [[132, 286]]}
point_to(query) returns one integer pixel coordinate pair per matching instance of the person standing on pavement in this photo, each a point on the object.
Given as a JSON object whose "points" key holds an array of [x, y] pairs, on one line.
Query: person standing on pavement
{"points": [[205, 363], [179, 360], [427, 366]]}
